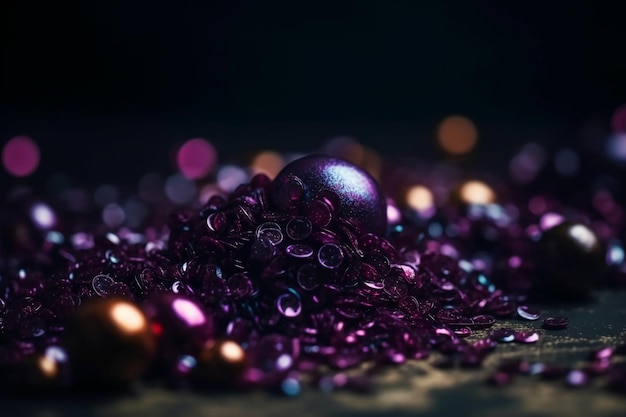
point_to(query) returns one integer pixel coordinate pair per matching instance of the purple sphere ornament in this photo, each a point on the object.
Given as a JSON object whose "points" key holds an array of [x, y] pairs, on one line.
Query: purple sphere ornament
{"points": [[179, 324], [337, 186]]}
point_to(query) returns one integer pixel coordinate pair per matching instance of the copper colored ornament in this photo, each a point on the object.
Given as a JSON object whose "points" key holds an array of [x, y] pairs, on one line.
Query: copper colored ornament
{"points": [[220, 363], [109, 343]]}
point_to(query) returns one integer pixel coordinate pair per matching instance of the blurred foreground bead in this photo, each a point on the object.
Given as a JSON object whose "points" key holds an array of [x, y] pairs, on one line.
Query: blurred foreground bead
{"points": [[109, 343], [571, 260], [180, 326], [357, 196], [36, 375], [220, 363]]}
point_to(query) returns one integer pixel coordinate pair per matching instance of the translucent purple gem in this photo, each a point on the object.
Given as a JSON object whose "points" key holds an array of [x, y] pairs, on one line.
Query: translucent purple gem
{"points": [[576, 378], [395, 287], [528, 313], [262, 249], [289, 305], [239, 285], [504, 335], [299, 250], [555, 323], [527, 337], [320, 212], [330, 256], [270, 231], [308, 276], [102, 284], [299, 228]]}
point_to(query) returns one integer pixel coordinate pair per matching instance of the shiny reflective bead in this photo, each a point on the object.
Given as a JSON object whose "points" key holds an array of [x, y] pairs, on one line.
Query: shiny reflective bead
{"points": [[571, 260], [179, 325], [289, 305], [528, 313], [109, 342], [299, 250], [361, 200], [219, 364]]}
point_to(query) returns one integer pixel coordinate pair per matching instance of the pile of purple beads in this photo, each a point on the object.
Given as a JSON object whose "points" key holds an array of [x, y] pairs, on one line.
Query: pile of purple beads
{"points": [[287, 281]]}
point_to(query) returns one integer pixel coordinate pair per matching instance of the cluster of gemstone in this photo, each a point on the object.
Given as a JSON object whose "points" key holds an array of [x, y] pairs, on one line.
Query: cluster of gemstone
{"points": [[287, 281]]}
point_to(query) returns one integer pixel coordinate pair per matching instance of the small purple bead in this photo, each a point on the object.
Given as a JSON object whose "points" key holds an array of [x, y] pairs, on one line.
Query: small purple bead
{"points": [[528, 313], [555, 323], [330, 256]]}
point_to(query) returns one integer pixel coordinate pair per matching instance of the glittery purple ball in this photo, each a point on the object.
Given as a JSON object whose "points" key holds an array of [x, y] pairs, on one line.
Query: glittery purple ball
{"points": [[351, 194]]}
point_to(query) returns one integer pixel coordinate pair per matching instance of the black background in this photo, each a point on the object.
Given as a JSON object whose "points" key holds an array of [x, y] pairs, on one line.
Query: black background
{"points": [[107, 87]]}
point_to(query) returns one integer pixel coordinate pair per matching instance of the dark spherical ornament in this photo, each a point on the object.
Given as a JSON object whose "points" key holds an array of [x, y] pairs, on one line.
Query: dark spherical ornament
{"points": [[179, 324], [220, 364], [109, 343], [570, 260], [353, 194], [36, 375]]}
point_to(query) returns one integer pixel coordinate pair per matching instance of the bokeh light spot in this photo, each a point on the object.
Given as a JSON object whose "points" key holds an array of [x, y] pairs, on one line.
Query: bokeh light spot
{"points": [[230, 176], [232, 352], [347, 148], [128, 317], [105, 194], [113, 215], [616, 147], [566, 162], [267, 162], [457, 135], [180, 189], [43, 216], [196, 158], [420, 198], [618, 121], [188, 312], [151, 187], [477, 192], [20, 156], [394, 215]]}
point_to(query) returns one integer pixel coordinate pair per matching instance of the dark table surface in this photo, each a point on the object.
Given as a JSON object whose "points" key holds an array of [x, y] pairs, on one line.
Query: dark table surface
{"points": [[415, 388]]}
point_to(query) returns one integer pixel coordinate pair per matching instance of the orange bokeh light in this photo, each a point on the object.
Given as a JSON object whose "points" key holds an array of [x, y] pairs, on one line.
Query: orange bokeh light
{"points": [[457, 135]]}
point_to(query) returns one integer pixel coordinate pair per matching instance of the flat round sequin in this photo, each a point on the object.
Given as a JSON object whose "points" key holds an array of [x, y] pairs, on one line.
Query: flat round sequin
{"points": [[289, 305], [330, 256], [308, 276], [555, 323], [528, 313], [299, 228], [299, 250]]}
